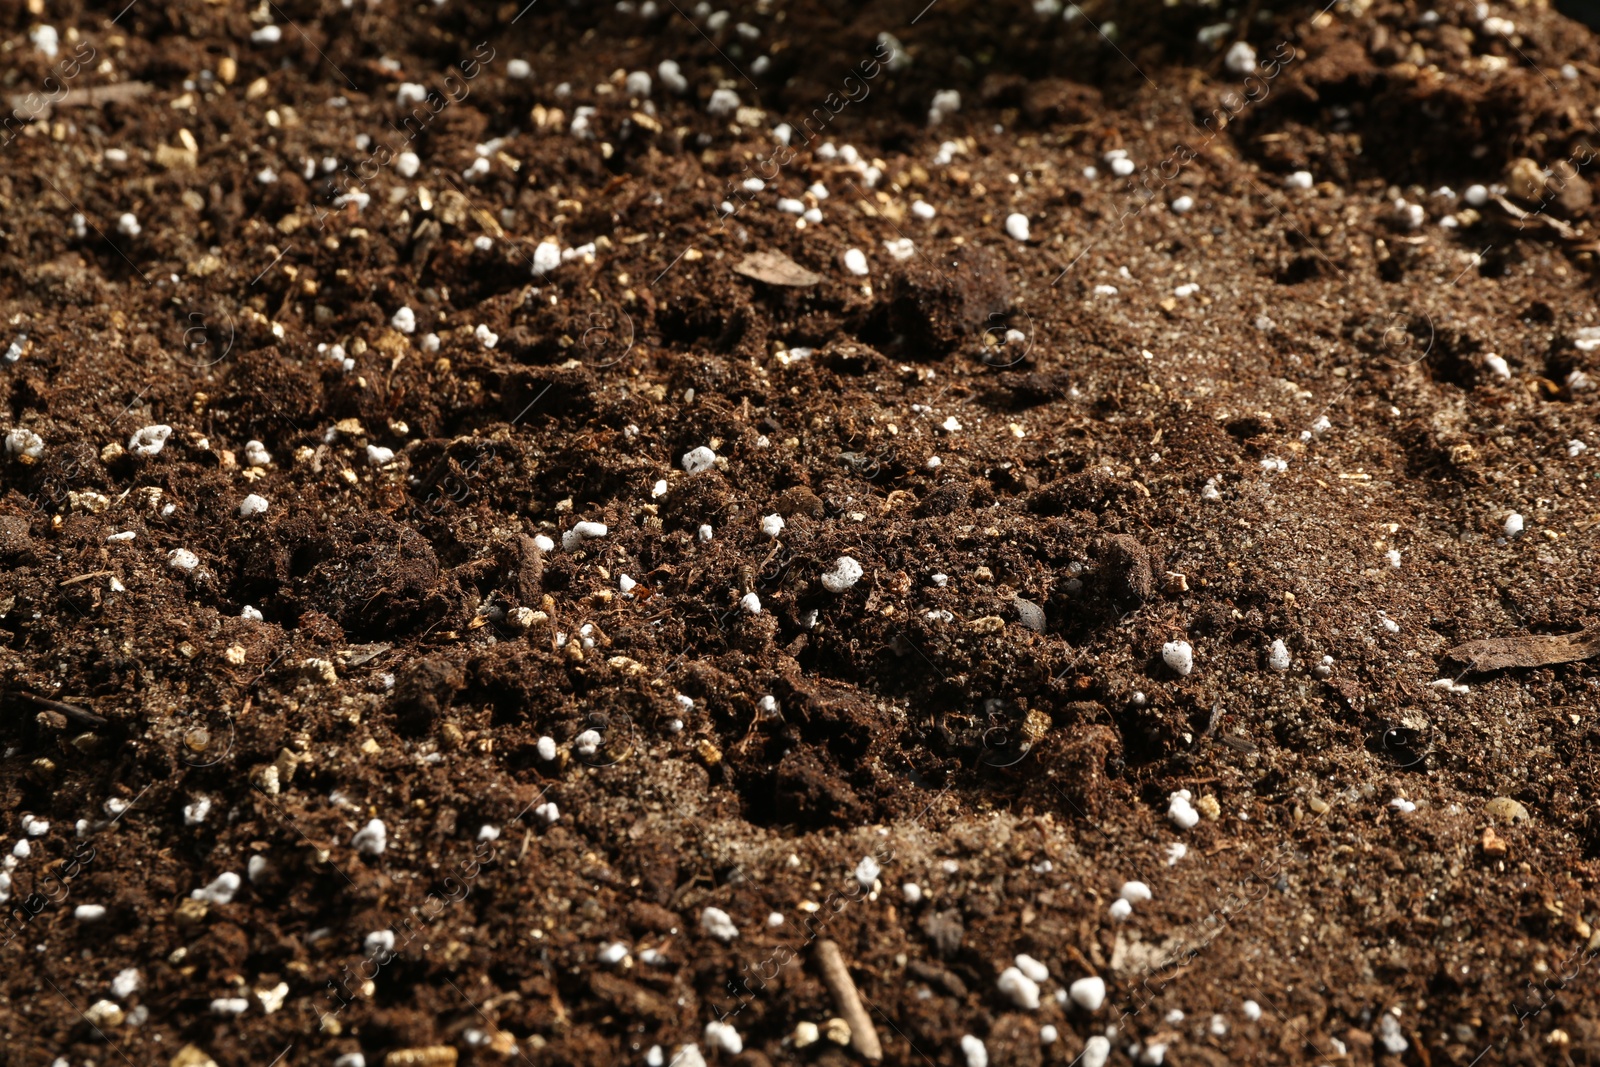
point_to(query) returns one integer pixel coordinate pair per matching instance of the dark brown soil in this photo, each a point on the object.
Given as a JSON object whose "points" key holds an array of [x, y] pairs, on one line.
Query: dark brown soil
{"points": [[1285, 424]]}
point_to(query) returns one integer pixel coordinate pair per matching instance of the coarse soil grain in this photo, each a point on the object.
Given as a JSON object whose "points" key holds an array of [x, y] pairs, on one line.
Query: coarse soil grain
{"points": [[461, 784]]}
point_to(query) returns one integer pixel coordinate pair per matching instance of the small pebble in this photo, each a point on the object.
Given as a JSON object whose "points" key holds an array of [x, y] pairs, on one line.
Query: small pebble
{"points": [[1178, 655], [699, 459], [718, 924], [150, 440], [1088, 993], [1022, 990]]}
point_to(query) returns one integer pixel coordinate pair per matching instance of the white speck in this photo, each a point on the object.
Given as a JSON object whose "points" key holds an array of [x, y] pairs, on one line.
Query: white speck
{"points": [[229, 1005], [1513, 526], [974, 1051], [256, 868], [1403, 805], [1023, 991], [126, 983], [1252, 1011], [1272, 463], [127, 222], [900, 249], [1241, 58], [719, 1034], [1576, 448], [1183, 205], [698, 459], [252, 505], [587, 742], [1389, 1034], [950, 425], [717, 923], [774, 920], [546, 257], [485, 336], [1181, 812], [613, 954], [24, 443], [377, 943], [638, 84], [855, 261], [1408, 216], [221, 889], [1120, 910], [654, 1057], [1031, 967], [846, 572], [1088, 993], [194, 814], [256, 454], [945, 102], [407, 165], [1096, 1052], [410, 92], [1134, 892], [1300, 179], [1105, 290], [1048, 1035], [723, 103], [1219, 1026], [626, 584], [1153, 1054], [934, 463], [149, 440], [378, 456], [1175, 852], [1178, 655], [1476, 195], [867, 872], [45, 39], [1183, 292], [1017, 227], [543, 543], [923, 210], [182, 559], [1497, 364], [404, 320], [371, 839], [582, 532], [546, 748], [1122, 166], [1393, 556], [704, 534], [672, 76], [1278, 656], [772, 525], [751, 603], [547, 811], [89, 913]]}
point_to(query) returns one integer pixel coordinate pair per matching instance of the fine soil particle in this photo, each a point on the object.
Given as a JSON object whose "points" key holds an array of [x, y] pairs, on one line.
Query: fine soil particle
{"points": [[517, 728]]}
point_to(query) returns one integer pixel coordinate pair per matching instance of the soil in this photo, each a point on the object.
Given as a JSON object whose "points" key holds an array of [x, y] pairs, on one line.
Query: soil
{"points": [[1273, 416]]}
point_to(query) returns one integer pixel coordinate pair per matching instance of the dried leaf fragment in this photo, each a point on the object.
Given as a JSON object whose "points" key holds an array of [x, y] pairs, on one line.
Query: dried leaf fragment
{"points": [[775, 268], [1529, 650]]}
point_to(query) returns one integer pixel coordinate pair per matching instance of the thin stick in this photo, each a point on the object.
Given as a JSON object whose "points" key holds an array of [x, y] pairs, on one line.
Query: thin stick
{"points": [[863, 1038], [71, 711]]}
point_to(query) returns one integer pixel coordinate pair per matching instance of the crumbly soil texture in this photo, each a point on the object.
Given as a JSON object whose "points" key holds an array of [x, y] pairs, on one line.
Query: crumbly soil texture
{"points": [[402, 660]]}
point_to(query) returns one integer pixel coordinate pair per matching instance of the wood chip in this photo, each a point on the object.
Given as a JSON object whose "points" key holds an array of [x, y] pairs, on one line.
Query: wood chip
{"points": [[118, 93], [775, 268], [1531, 650], [836, 976]]}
